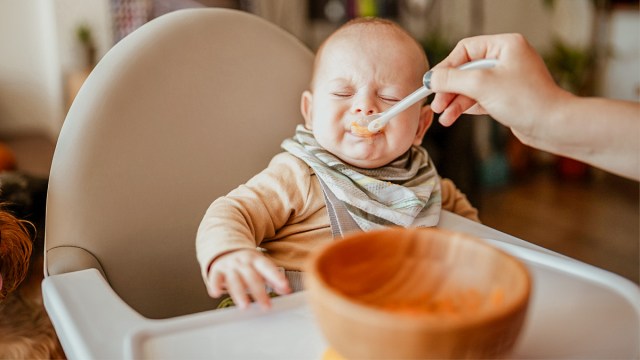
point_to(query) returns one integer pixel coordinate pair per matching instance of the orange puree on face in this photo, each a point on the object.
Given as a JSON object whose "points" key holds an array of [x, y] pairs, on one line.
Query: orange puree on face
{"points": [[360, 130]]}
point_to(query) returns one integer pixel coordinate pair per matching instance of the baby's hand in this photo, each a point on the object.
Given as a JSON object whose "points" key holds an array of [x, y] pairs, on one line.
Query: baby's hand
{"points": [[245, 272]]}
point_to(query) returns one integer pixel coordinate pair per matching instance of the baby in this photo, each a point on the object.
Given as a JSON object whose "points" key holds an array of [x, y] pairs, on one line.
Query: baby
{"points": [[332, 179]]}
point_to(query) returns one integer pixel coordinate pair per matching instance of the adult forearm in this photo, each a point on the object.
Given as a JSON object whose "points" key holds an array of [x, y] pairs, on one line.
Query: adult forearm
{"points": [[602, 132]]}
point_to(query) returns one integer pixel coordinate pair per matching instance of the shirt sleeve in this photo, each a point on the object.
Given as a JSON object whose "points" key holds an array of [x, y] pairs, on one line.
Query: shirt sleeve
{"points": [[254, 211], [455, 201]]}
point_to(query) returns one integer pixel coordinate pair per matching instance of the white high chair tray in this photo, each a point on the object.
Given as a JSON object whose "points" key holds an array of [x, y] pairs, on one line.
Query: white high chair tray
{"points": [[576, 311]]}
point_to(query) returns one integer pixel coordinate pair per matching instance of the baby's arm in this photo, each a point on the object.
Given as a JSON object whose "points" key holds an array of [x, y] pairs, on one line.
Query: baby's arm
{"points": [[243, 273], [236, 224], [455, 201]]}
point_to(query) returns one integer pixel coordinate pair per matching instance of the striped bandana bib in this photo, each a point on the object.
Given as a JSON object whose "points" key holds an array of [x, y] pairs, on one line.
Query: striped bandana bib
{"points": [[405, 192]]}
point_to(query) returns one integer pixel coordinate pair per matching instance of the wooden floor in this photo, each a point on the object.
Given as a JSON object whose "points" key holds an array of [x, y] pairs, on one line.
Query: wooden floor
{"points": [[596, 221]]}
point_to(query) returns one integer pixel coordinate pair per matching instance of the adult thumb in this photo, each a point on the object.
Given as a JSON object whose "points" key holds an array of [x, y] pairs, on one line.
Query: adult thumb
{"points": [[456, 81]]}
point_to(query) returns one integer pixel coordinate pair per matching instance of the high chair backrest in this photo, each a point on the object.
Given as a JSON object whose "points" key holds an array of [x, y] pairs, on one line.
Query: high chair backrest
{"points": [[179, 112]]}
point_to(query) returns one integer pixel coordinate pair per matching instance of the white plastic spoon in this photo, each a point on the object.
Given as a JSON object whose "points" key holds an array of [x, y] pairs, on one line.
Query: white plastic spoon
{"points": [[378, 121]]}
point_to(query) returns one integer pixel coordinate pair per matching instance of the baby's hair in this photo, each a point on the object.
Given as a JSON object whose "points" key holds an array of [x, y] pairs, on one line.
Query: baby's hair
{"points": [[15, 250], [367, 21]]}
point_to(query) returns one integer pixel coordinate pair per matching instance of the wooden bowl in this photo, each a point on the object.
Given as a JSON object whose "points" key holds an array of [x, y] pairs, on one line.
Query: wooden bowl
{"points": [[417, 293]]}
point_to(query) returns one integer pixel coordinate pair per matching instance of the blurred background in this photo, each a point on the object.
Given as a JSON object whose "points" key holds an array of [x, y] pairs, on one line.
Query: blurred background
{"points": [[592, 48]]}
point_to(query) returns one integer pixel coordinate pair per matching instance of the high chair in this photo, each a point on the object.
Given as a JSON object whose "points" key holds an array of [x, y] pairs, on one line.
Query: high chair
{"points": [[179, 112]]}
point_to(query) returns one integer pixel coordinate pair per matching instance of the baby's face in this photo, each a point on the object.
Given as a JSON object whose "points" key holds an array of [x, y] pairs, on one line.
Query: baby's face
{"points": [[363, 73]]}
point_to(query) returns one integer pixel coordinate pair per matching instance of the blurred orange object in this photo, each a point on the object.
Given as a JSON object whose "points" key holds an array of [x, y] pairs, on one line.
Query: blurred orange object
{"points": [[7, 159], [331, 354]]}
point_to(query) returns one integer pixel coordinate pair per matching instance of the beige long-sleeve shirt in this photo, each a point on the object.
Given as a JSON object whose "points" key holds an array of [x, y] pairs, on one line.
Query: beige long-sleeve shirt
{"points": [[282, 211]]}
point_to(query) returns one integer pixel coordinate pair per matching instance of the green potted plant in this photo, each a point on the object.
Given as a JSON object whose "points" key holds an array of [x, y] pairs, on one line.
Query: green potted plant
{"points": [[84, 36]]}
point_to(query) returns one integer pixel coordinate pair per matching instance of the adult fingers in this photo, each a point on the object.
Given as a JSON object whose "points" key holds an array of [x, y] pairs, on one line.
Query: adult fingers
{"points": [[476, 109], [457, 107], [483, 47], [441, 101], [468, 49], [465, 82]]}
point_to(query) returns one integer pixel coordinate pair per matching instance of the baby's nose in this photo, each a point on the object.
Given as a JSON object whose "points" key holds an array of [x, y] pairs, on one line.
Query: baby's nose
{"points": [[365, 111], [365, 106]]}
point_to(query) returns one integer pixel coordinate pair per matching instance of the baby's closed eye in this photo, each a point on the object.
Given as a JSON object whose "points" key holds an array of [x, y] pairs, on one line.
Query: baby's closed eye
{"points": [[389, 98], [342, 94]]}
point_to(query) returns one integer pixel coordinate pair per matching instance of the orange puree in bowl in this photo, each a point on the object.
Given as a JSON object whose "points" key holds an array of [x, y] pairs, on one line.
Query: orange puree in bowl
{"points": [[466, 302]]}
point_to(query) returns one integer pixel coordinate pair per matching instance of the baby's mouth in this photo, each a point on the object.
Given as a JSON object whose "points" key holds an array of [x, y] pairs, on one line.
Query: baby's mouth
{"points": [[360, 128]]}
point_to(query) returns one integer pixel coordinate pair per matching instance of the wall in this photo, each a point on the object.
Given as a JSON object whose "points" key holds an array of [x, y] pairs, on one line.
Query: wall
{"points": [[571, 20], [69, 15], [38, 52], [622, 74], [30, 85]]}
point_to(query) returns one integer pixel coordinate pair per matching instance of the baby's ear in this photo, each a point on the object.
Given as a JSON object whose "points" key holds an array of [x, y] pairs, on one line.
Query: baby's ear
{"points": [[305, 108], [426, 117]]}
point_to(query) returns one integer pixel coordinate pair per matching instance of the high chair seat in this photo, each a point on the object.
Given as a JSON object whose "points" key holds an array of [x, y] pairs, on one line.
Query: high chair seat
{"points": [[179, 112]]}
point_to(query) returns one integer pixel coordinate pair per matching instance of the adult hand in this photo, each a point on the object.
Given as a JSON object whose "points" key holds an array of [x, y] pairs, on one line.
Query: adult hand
{"points": [[242, 273], [512, 92], [520, 93]]}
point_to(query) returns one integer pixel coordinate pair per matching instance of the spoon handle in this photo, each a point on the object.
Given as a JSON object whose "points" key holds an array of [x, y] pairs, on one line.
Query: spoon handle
{"points": [[476, 64], [424, 91], [403, 104]]}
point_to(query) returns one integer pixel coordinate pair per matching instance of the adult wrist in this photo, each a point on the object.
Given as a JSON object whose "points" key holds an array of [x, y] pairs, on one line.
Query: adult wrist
{"points": [[547, 122]]}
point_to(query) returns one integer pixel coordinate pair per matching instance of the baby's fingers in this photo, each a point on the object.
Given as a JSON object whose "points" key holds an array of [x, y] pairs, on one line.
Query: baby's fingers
{"points": [[215, 284], [272, 276], [256, 288], [237, 289]]}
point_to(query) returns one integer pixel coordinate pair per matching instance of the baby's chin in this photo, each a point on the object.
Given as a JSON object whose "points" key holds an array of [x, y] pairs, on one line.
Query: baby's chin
{"points": [[367, 156], [363, 161], [364, 164], [363, 154], [358, 152]]}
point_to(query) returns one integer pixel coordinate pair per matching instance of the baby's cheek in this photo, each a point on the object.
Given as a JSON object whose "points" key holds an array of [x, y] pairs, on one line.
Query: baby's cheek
{"points": [[322, 138]]}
